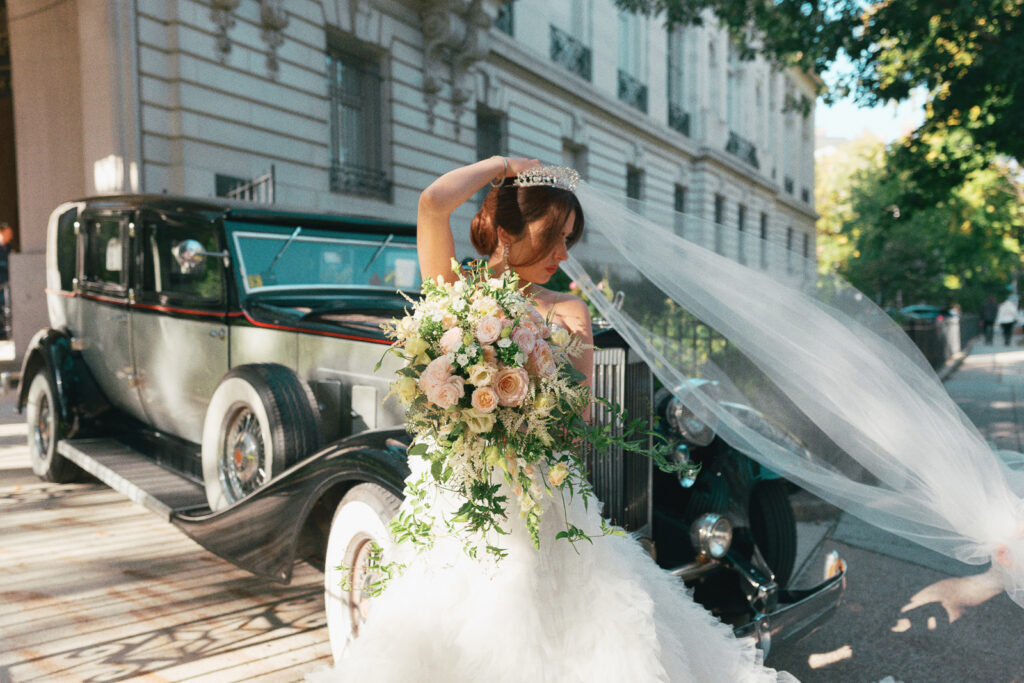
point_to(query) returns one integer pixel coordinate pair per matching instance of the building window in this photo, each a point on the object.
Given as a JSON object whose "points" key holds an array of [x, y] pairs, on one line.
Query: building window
{"points": [[764, 241], [634, 188], [357, 146], [789, 250], [679, 204], [806, 250], [719, 220], [570, 36], [575, 156], [678, 116], [505, 20], [633, 60], [491, 137], [741, 227]]}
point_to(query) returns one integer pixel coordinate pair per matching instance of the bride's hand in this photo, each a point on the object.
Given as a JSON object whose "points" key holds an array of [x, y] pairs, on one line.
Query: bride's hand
{"points": [[517, 166]]}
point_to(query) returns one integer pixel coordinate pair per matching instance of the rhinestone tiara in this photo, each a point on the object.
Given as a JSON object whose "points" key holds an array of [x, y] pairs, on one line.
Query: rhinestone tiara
{"points": [[561, 177]]}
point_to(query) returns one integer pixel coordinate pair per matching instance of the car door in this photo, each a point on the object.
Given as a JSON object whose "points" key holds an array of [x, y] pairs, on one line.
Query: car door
{"points": [[103, 325], [179, 325]]}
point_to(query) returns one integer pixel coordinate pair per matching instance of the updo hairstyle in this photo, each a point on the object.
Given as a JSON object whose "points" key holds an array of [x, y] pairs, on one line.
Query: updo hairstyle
{"points": [[511, 208]]}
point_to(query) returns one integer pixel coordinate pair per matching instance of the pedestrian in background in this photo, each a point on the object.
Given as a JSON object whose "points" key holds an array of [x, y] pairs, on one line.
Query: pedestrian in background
{"points": [[1006, 318], [988, 317], [6, 244]]}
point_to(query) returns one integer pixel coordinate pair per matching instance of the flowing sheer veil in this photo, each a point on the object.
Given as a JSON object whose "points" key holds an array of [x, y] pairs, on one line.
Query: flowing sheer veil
{"points": [[815, 382]]}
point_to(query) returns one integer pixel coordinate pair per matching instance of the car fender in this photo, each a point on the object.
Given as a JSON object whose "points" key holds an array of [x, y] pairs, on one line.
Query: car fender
{"points": [[265, 532], [79, 398]]}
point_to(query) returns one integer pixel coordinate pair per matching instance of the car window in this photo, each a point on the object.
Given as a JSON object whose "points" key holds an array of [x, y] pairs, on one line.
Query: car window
{"points": [[67, 248], [313, 259], [104, 251], [201, 281]]}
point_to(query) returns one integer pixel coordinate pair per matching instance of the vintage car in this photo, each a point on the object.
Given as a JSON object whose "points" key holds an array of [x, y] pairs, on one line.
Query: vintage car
{"points": [[202, 353]]}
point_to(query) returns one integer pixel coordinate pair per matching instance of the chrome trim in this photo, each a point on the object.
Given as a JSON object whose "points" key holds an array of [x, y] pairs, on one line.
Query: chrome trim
{"points": [[792, 620], [695, 570]]}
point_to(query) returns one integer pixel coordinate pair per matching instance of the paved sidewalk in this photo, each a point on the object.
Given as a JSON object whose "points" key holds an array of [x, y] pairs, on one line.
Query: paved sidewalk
{"points": [[910, 613]]}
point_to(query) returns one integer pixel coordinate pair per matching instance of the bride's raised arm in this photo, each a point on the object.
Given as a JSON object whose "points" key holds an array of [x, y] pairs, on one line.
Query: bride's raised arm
{"points": [[435, 244]]}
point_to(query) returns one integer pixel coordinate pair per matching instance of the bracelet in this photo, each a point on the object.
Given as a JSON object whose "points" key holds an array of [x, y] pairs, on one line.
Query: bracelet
{"points": [[499, 179]]}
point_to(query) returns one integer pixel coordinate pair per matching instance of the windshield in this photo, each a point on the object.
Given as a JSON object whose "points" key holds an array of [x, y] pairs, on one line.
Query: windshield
{"points": [[316, 259]]}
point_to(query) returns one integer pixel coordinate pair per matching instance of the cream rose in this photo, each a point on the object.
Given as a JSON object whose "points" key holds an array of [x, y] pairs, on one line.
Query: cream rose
{"points": [[557, 474], [488, 329], [560, 336], [486, 305], [511, 385], [415, 345], [449, 321], [405, 388], [525, 339], [451, 341], [481, 374], [484, 400], [478, 422]]}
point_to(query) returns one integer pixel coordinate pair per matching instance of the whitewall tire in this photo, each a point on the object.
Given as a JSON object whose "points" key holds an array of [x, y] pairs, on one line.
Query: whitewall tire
{"points": [[361, 518]]}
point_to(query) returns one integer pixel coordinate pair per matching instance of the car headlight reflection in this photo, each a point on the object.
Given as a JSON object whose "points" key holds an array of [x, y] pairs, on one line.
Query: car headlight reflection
{"points": [[692, 429], [711, 535], [688, 475]]}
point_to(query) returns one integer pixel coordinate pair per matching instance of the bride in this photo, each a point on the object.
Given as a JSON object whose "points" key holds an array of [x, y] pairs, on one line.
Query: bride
{"points": [[601, 611]]}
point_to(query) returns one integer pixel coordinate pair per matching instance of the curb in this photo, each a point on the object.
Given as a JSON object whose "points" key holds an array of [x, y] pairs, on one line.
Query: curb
{"points": [[809, 508], [955, 361]]}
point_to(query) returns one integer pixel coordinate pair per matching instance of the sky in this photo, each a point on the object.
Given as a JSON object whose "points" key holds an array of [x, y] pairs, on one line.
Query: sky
{"points": [[887, 122]]}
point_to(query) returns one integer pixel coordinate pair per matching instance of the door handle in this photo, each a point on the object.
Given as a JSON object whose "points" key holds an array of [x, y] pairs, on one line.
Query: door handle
{"points": [[219, 334], [120, 318]]}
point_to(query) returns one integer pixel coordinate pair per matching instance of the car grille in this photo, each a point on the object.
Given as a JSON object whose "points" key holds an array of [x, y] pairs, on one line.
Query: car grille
{"points": [[622, 479]]}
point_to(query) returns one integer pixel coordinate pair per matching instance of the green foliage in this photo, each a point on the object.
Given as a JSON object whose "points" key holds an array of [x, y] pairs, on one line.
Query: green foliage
{"points": [[967, 54], [902, 225]]}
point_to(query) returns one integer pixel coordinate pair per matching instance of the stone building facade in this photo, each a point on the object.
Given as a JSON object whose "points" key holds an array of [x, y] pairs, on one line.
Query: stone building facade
{"points": [[354, 106]]}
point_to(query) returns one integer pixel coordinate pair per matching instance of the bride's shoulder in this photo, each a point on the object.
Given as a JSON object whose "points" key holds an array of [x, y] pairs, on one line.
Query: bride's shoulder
{"points": [[567, 310]]}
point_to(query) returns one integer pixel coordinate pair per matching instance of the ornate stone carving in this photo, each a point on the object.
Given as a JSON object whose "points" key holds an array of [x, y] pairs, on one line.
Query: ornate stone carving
{"points": [[273, 20], [220, 13], [454, 41]]}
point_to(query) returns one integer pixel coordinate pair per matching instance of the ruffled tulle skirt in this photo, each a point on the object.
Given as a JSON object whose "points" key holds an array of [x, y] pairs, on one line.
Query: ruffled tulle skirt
{"points": [[593, 612]]}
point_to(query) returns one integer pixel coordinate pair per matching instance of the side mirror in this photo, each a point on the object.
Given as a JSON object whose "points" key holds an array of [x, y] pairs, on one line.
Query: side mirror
{"points": [[191, 256]]}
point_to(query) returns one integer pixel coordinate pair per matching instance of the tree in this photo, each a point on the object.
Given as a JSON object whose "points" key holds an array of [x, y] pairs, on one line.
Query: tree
{"points": [[903, 239], [967, 54]]}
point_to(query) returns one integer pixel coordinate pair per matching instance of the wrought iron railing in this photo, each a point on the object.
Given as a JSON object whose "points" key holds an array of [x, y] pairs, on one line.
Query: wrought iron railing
{"points": [[368, 182], [679, 119], [570, 53], [260, 189], [805, 194], [788, 184], [632, 91], [743, 148]]}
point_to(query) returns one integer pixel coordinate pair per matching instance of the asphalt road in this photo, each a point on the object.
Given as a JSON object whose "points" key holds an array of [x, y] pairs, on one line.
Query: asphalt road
{"points": [[95, 588]]}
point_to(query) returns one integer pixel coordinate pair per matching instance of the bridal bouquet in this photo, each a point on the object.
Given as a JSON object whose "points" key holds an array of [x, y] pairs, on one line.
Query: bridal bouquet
{"points": [[491, 395]]}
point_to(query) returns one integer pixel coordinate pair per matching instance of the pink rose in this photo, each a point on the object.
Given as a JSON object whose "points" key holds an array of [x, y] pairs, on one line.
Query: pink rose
{"points": [[436, 373], [541, 362], [449, 321], [448, 394], [490, 354], [451, 341], [511, 385], [488, 329], [484, 399], [525, 339]]}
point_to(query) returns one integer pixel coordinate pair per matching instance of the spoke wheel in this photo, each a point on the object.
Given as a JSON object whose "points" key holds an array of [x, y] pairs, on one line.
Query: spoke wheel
{"points": [[242, 468], [45, 429]]}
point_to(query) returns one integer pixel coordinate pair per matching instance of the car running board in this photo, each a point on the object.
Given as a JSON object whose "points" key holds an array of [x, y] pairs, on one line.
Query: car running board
{"points": [[127, 471]]}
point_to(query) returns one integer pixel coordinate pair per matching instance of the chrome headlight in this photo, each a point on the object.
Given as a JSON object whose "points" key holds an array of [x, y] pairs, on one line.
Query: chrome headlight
{"points": [[693, 430], [711, 535]]}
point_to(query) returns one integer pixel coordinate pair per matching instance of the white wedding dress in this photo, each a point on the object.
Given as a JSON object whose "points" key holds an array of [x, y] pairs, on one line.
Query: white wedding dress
{"points": [[589, 613]]}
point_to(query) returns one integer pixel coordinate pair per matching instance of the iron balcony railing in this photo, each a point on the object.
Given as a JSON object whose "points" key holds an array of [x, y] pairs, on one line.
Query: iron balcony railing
{"points": [[632, 91], [570, 53], [357, 180], [679, 119], [788, 184], [743, 148]]}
